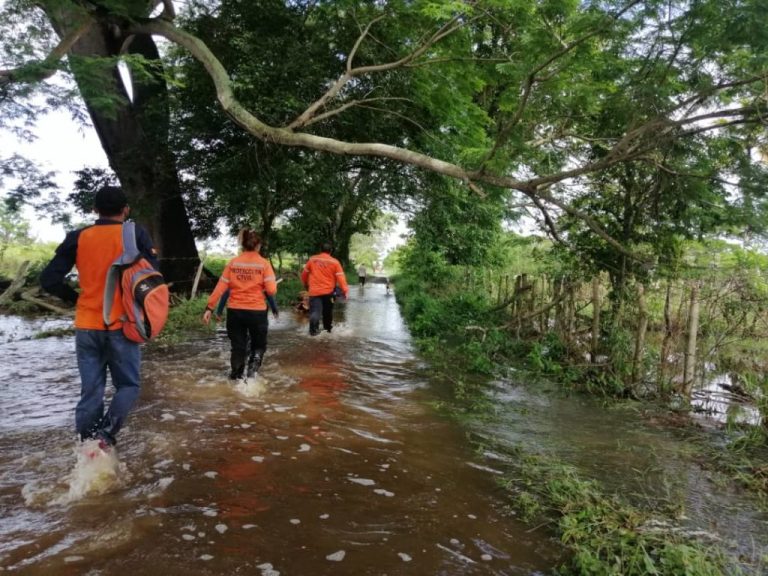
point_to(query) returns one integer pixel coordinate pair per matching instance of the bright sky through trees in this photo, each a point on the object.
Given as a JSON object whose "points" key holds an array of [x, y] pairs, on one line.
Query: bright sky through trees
{"points": [[62, 146]]}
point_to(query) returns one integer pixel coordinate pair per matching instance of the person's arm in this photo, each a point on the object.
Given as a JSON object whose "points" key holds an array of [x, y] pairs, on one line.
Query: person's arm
{"points": [[305, 276], [146, 247], [341, 280], [270, 289], [52, 278], [222, 303], [272, 305], [221, 286]]}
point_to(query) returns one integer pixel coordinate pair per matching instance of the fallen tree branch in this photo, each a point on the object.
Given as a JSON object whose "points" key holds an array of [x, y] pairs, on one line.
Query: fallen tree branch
{"points": [[28, 296], [17, 284]]}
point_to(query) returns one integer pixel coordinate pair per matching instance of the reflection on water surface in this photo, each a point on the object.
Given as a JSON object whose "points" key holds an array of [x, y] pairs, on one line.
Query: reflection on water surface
{"points": [[333, 463]]}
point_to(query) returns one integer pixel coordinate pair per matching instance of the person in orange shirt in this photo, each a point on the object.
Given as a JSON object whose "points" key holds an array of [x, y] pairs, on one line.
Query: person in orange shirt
{"points": [[98, 346], [321, 275], [248, 277]]}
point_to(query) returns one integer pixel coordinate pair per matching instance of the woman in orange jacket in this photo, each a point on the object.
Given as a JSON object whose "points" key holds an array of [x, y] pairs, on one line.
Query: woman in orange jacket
{"points": [[248, 277]]}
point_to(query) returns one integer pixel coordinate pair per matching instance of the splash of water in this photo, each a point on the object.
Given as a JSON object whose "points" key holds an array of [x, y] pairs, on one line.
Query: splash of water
{"points": [[96, 471], [252, 387]]}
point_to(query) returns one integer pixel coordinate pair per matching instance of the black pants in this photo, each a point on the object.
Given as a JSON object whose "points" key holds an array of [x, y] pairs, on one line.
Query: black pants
{"points": [[320, 305], [361, 280], [244, 326]]}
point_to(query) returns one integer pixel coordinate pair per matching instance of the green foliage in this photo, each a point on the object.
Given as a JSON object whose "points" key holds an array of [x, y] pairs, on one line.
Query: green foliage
{"points": [[13, 230], [184, 320], [605, 535], [15, 254], [215, 264], [288, 292]]}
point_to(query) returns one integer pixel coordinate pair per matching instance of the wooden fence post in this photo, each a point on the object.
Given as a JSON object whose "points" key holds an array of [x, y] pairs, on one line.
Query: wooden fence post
{"points": [[641, 330], [197, 280], [690, 349], [595, 319]]}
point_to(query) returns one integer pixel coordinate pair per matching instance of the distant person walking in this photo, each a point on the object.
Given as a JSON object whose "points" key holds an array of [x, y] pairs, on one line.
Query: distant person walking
{"points": [[99, 346], [250, 280], [361, 274], [321, 275]]}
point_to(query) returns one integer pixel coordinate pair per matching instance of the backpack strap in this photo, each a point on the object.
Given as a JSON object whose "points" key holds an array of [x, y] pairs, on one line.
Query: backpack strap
{"points": [[129, 255], [130, 250]]}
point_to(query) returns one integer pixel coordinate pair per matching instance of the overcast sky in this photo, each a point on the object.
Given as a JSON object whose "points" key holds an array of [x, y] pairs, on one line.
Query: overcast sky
{"points": [[62, 146]]}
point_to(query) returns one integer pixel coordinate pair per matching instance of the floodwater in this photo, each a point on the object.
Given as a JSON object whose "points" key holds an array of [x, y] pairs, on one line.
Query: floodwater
{"points": [[332, 462], [648, 459]]}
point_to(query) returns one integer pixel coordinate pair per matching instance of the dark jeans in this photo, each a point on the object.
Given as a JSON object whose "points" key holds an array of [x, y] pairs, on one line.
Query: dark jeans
{"points": [[320, 306], [96, 351], [244, 326]]}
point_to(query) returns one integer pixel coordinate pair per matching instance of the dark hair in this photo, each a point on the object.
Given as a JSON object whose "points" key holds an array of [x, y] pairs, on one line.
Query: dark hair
{"points": [[110, 201], [326, 247], [249, 239]]}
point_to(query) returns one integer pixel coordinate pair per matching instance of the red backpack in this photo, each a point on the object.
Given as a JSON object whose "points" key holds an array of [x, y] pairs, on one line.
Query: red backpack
{"points": [[144, 292]]}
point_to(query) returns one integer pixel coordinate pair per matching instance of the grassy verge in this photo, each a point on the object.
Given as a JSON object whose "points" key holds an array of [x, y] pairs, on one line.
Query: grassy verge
{"points": [[603, 533]]}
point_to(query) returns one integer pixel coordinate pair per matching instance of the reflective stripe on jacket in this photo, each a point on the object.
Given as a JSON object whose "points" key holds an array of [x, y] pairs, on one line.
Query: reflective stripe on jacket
{"points": [[92, 250], [322, 273], [247, 276]]}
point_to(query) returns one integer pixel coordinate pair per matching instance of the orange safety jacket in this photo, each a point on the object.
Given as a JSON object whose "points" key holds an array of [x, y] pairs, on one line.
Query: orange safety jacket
{"points": [[92, 250], [322, 273], [247, 276]]}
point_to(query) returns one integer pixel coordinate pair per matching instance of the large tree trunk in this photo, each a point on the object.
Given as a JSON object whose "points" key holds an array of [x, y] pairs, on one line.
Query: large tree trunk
{"points": [[134, 135]]}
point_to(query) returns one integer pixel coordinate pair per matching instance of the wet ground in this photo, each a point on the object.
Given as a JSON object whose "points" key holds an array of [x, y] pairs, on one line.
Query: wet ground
{"points": [[332, 463]]}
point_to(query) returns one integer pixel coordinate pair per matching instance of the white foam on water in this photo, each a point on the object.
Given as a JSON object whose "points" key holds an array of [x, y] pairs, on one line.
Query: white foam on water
{"points": [[70, 559], [188, 537], [458, 555], [295, 521], [96, 471], [404, 557], [267, 569], [324, 516], [304, 448], [279, 409], [257, 458], [336, 556], [252, 387], [362, 481], [211, 474], [485, 468], [206, 557], [221, 528], [383, 492], [163, 483]]}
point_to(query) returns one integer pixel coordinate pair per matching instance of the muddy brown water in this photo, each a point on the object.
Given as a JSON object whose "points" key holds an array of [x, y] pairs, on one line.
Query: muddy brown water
{"points": [[334, 463]]}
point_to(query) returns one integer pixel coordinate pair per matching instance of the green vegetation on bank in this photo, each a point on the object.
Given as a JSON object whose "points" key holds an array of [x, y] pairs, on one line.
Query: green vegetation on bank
{"points": [[467, 323], [605, 535]]}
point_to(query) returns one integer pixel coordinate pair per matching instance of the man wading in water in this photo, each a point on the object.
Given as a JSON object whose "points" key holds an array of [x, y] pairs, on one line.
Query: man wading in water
{"points": [[98, 347], [320, 276]]}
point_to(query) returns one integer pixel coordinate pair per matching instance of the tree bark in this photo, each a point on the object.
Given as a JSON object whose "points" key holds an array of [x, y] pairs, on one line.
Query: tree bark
{"points": [[134, 135]]}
